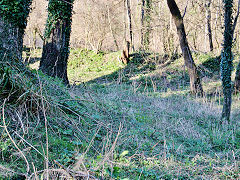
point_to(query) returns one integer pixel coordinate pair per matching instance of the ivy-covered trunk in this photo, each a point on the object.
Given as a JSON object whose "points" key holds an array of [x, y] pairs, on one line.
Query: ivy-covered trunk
{"points": [[13, 21], [57, 37], [195, 81], [226, 60]]}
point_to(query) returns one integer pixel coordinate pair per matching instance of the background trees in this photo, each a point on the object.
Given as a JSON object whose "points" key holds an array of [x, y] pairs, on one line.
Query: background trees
{"points": [[101, 26], [133, 108]]}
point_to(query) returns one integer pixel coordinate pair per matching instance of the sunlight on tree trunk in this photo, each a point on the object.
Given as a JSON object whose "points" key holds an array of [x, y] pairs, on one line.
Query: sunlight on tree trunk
{"points": [[130, 23], [195, 81], [145, 24], [208, 24], [57, 33]]}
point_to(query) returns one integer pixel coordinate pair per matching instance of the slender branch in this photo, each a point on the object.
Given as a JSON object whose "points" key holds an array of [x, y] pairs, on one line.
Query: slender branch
{"points": [[10, 137], [185, 10], [236, 18]]}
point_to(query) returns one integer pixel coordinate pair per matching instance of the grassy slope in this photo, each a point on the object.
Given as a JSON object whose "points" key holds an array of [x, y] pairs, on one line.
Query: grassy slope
{"points": [[138, 121]]}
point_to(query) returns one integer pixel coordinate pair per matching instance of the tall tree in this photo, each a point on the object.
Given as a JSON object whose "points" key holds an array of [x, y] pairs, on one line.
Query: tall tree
{"points": [[57, 36], [13, 21], [130, 23], [237, 79], [145, 23], [226, 59], [208, 24], [237, 76], [195, 81]]}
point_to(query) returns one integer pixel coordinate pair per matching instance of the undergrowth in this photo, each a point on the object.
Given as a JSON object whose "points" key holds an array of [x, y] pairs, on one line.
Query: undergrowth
{"points": [[134, 121]]}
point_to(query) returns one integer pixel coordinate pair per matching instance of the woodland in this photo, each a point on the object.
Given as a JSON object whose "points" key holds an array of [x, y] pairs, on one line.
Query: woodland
{"points": [[119, 89]]}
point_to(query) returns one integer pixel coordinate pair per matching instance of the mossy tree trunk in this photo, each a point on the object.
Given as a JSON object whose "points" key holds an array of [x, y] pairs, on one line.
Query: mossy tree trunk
{"points": [[195, 81], [57, 37], [13, 21], [226, 59]]}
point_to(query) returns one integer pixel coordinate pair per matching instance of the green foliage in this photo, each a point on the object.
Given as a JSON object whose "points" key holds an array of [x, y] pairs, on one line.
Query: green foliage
{"points": [[86, 65], [165, 134], [15, 12], [58, 11]]}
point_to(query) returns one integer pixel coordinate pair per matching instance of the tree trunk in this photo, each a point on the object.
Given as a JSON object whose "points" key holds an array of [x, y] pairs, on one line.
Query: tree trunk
{"points": [[226, 60], [145, 23], [195, 81], [130, 23], [13, 21], [208, 24], [142, 22], [56, 46], [237, 79], [237, 76], [125, 53], [125, 21], [11, 42]]}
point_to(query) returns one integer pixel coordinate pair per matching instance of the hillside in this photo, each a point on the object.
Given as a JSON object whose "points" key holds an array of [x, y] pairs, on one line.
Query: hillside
{"points": [[116, 121]]}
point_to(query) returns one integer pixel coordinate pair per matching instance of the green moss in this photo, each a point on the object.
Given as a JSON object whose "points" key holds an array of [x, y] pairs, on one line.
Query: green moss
{"points": [[15, 12], [58, 11]]}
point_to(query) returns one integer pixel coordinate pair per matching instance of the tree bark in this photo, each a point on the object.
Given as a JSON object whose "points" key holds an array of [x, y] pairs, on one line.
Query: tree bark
{"points": [[195, 81], [11, 42], [125, 53], [142, 22], [13, 21], [130, 23], [145, 23], [56, 47], [208, 24], [237, 79], [226, 60], [237, 76]]}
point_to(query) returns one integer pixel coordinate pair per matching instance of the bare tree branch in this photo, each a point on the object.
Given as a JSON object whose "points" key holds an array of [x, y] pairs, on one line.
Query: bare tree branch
{"points": [[236, 17]]}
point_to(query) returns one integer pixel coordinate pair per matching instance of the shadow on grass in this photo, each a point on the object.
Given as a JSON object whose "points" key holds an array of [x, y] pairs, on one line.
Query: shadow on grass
{"points": [[145, 72]]}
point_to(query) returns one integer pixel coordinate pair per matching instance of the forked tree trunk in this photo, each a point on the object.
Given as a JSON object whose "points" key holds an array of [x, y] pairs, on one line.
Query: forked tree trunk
{"points": [[195, 81], [208, 24], [56, 46]]}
